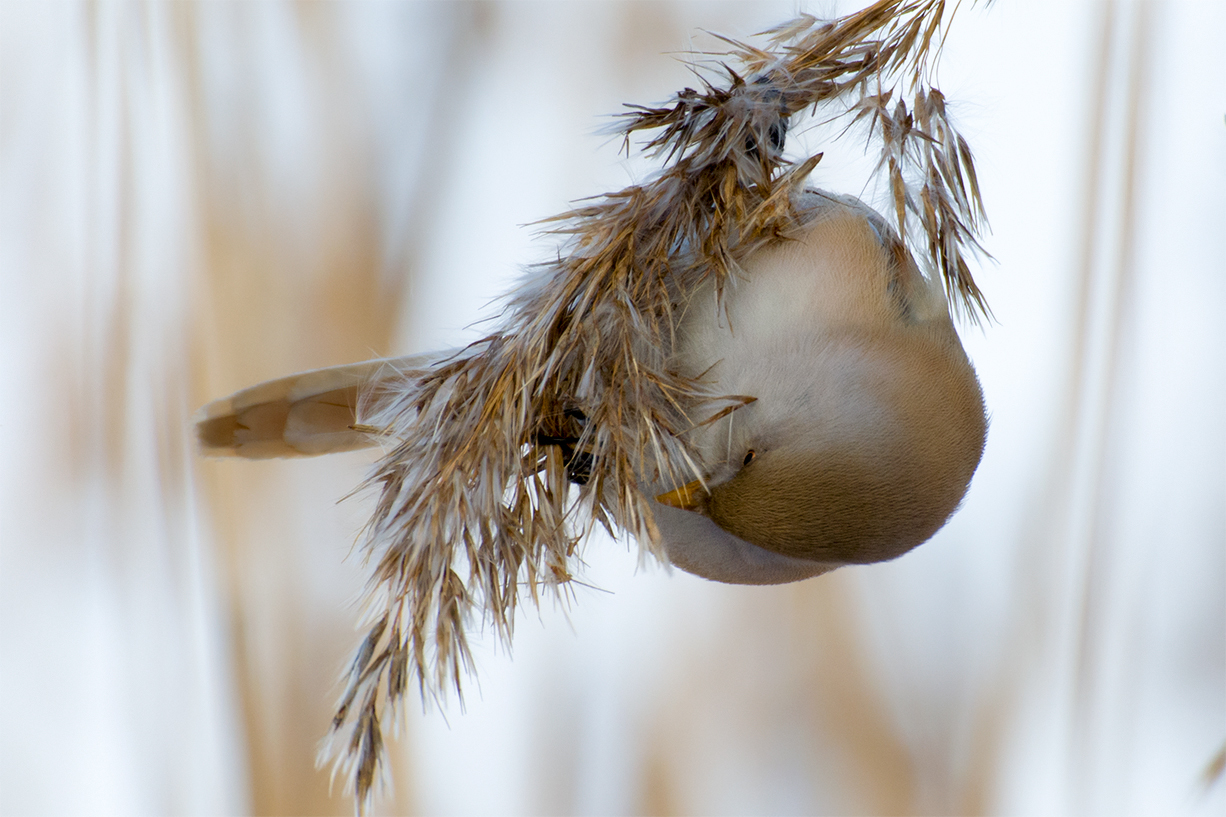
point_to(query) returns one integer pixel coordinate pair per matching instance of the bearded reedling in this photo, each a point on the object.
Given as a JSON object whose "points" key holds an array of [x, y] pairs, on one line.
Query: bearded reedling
{"points": [[755, 379], [865, 425]]}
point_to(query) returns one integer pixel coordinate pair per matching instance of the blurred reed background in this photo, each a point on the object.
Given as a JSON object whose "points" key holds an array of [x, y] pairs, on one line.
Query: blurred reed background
{"points": [[199, 196]]}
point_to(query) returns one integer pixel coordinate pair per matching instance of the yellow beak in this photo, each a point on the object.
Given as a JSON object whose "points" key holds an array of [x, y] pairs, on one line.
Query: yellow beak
{"points": [[688, 497]]}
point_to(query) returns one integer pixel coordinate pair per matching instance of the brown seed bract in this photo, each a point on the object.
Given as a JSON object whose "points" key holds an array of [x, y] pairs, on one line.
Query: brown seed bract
{"points": [[472, 512]]}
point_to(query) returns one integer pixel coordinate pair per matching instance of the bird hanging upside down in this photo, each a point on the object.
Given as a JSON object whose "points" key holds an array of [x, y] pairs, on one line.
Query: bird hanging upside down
{"points": [[752, 378], [865, 425]]}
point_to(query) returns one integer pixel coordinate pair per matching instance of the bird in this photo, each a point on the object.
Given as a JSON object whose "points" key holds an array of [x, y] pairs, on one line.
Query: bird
{"points": [[860, 426], [751, 376]]}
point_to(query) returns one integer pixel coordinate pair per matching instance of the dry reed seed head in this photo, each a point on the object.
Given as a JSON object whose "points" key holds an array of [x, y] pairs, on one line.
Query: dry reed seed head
{"points": [[475, 503]]}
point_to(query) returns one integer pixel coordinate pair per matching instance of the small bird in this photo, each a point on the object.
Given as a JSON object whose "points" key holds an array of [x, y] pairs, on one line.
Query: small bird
{"points": [[753, 378], [861, 424]]}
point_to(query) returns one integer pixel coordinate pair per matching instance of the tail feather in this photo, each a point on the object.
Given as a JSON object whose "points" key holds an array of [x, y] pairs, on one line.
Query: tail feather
{"points": [[301, 415]]}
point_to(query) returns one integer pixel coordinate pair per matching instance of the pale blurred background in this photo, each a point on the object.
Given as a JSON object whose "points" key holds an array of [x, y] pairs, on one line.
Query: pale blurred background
{"points": [[196, 197]]}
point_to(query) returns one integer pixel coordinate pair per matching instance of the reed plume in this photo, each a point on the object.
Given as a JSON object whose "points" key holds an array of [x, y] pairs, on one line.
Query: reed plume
{"points": [[478, 506]]}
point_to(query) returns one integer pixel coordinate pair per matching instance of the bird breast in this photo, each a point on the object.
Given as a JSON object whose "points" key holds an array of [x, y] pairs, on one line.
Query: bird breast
{"points": [[869, 421]]}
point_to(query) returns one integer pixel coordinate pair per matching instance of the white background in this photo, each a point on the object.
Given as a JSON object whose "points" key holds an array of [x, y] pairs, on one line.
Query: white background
{"points": [[196, 197]]}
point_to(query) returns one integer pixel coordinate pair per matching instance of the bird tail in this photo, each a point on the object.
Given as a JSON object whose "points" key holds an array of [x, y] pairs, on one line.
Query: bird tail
{"points": [[302, 415]]}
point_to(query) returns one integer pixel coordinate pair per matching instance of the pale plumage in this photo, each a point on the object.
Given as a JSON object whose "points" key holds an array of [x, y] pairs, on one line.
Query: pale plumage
{"points": [[302, 415], [868, 422], [866, 425], [767, 363]]}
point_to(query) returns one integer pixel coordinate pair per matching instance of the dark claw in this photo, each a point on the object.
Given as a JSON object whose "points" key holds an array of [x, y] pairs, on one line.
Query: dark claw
{"points": [[777, 131], [578, 464], [579, 467]]}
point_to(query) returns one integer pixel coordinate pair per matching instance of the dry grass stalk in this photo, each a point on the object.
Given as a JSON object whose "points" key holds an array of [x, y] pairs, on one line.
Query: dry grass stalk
{"points": [[475, 507]]}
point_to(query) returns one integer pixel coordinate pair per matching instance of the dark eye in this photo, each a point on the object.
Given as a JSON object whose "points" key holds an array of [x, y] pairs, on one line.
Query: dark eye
{"points": [[750, 456]]}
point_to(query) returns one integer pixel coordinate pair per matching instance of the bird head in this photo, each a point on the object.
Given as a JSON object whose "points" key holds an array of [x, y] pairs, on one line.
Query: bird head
{"points": [[868, 423]]}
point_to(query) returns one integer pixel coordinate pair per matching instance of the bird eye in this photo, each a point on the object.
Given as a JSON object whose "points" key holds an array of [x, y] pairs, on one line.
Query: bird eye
{"points": [[750, 456]]}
